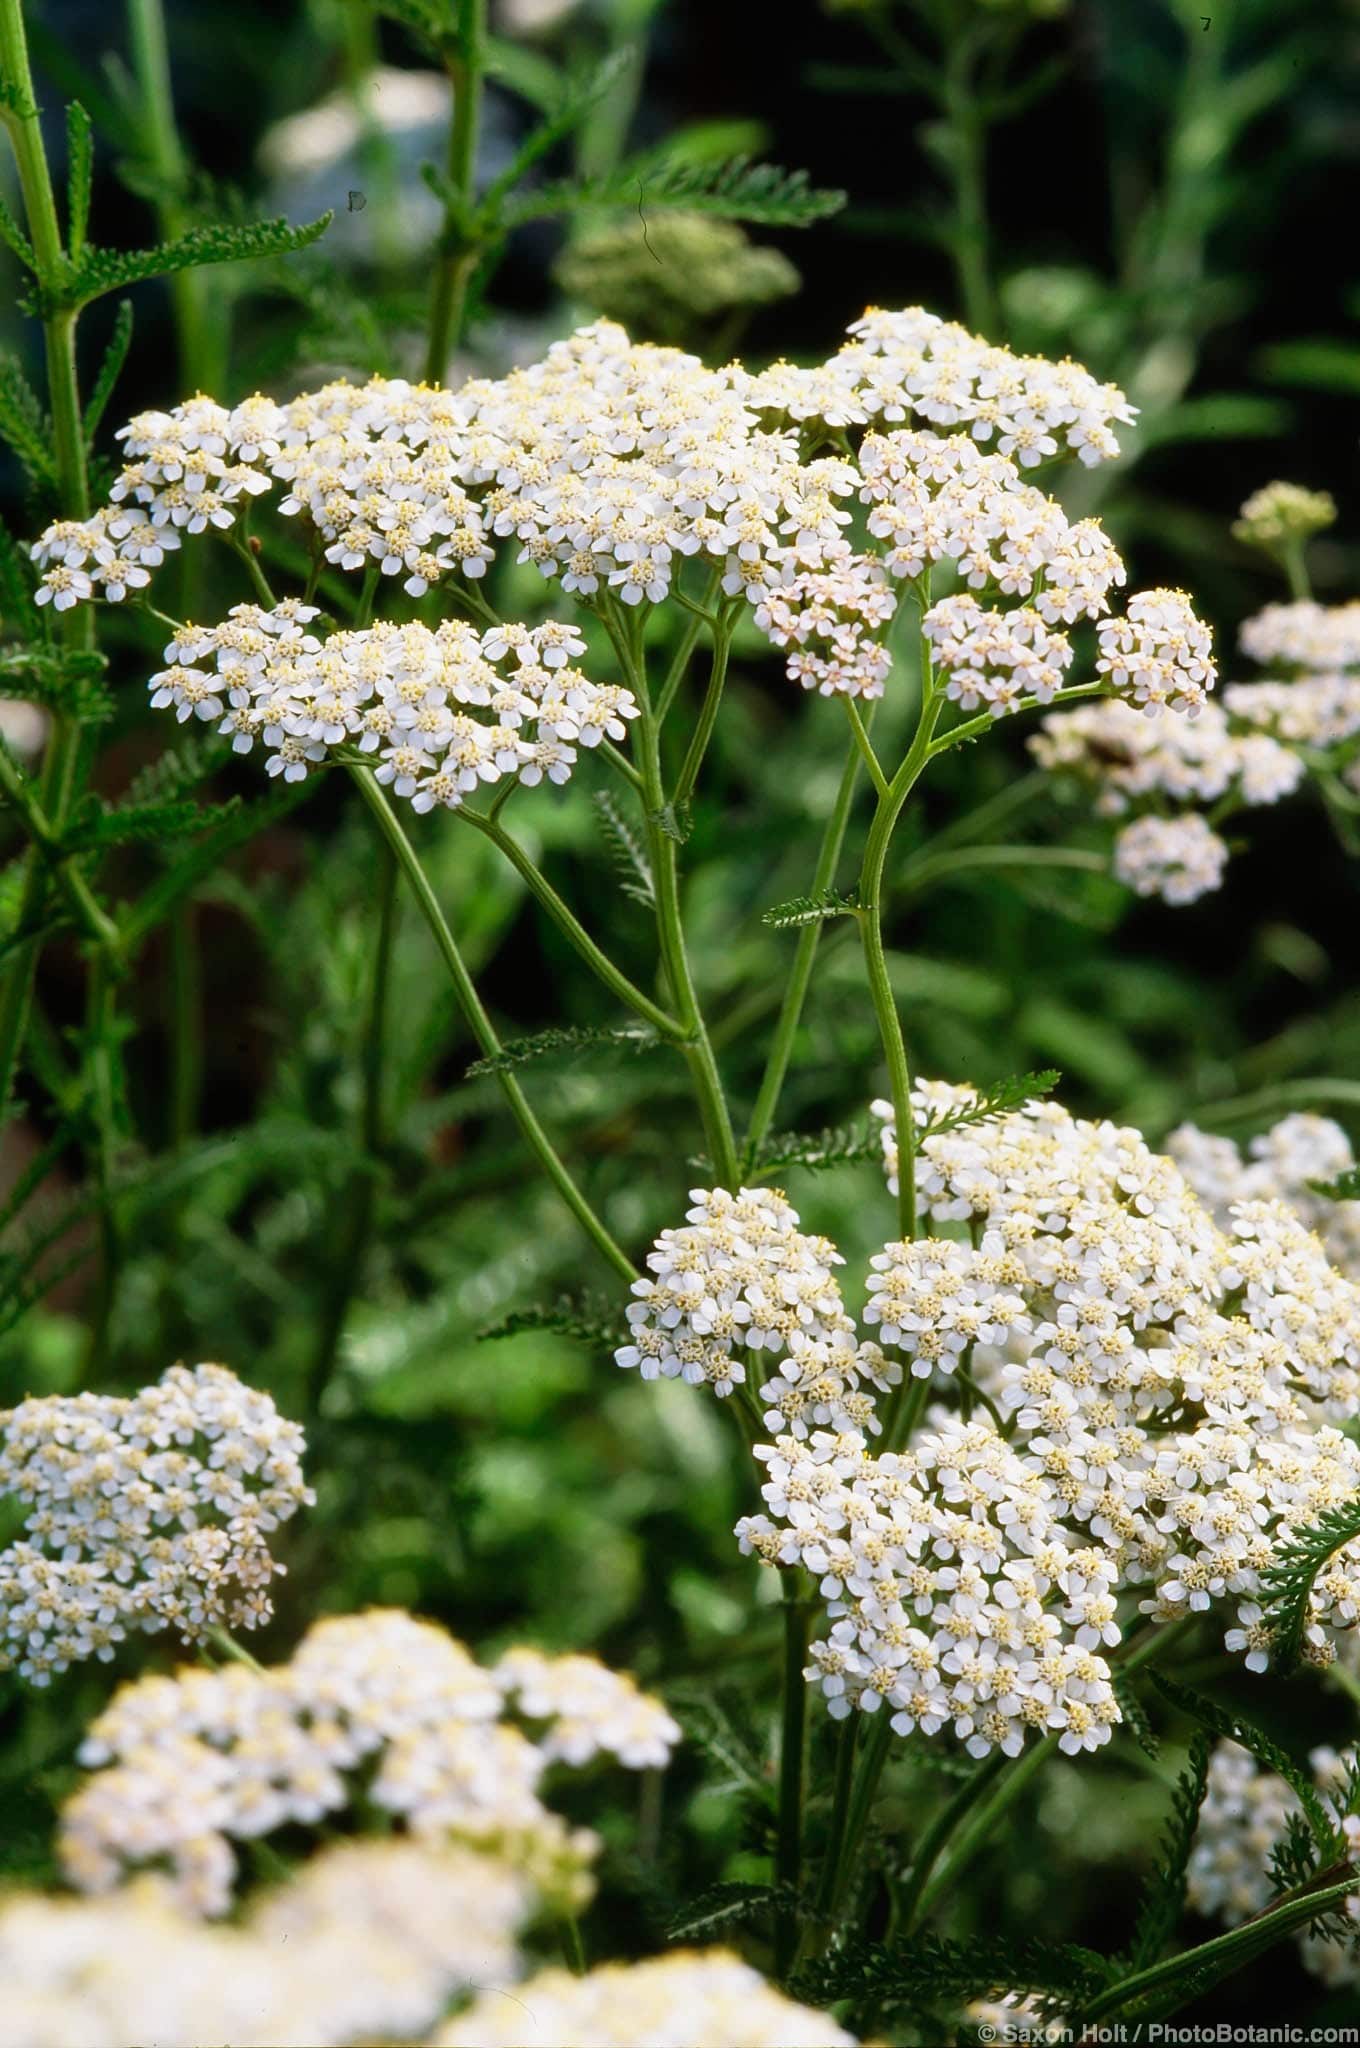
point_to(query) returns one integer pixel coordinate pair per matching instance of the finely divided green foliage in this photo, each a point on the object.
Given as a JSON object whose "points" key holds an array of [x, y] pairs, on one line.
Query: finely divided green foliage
{"points": [[1230, 1726], [1287, 1582], [564, 1042], [99, 271], [1163, 1899], [737, 189]]}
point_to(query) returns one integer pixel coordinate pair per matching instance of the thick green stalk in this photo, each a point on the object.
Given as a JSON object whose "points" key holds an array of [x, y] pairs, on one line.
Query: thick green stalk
{"points": [[99, 1057], [1239, 1945], [199, 336], [480, 1024], [19, 113], [788, 1856], [875, 958], [708, 714], [661, 828], [983, 1823], [872, 1760], [569, 924], [465, 61], [804, 959], [841, 1795], [933, 1841]]}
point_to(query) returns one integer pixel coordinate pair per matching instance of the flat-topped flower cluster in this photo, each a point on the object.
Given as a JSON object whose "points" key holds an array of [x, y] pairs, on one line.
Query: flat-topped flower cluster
{"points": [[404, 694], [186, 1766], [608, 465], [1257, 749], [142, 1514], [1129, 1394]]}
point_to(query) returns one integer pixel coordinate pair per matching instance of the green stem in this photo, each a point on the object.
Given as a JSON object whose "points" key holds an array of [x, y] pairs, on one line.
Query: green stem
{"points": [[968, 164], [480, 1024], [99, 1037], [708, 713], [972, 728], [931, 866], [465, 61], [573, 1948], [865, 1786], [566, 921], [788, 1857], [804, 959], [675, 674], [875, 958], [1235, 1109], [940, 1831], [860, 733], [984, 1822], [347, 1268], [199, 337], [662, 853], [227, 1646], [840, 1813], [1296, 571], [19, 113], [1238, 1945]]}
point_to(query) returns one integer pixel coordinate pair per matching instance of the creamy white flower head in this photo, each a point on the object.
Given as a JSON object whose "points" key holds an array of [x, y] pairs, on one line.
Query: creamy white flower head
{"points": [[703, 1998], [1139, 1304], [367, 1941], [743, 1277], [1285, 1164], [1305, 635], [145, 1513], [1129, 759], [1159, 655], [185, 1766], [1179, 859], [407, 694]]}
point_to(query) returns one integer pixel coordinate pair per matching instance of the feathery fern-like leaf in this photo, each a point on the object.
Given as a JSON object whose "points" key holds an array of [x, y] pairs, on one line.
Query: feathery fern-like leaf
{"points": [[574, 104], [1163, 1899], [811, 909], [1345, 1188], [110, 368], [24, 426], [15, 240], [729, 1904], [1287, 1581], [735, 189], [110, 270], [1231, 1726], [626, 849], [816, 1150], [79, 177], [591, 1319], [563, 1042], [991, 1100], [928, 1966]]}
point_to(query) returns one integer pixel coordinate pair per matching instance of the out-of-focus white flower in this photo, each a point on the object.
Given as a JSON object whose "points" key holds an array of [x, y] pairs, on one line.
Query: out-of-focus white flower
{"points": [[369, 1940], [705, 1999], [1179, 859], [185, 1766]]}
